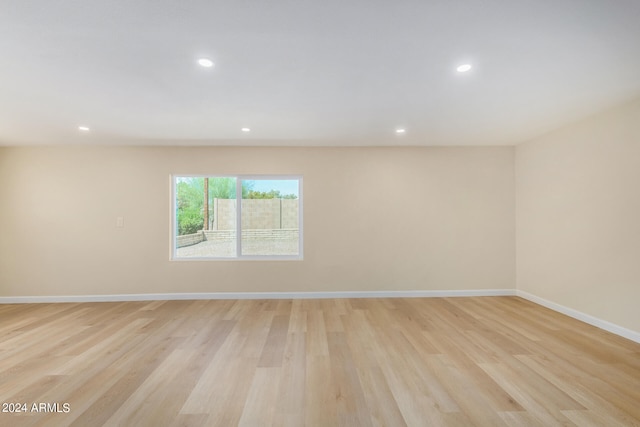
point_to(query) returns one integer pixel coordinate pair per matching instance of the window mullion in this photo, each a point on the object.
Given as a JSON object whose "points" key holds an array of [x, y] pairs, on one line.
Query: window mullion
{"points": [[238, 217]]}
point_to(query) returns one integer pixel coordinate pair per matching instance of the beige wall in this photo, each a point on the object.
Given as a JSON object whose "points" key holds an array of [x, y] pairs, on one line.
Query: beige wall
{"points": [[578, 216], [455, 227]]}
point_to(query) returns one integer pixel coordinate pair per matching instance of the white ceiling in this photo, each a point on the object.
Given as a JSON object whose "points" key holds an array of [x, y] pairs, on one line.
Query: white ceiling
{"points": [[303, 72]]}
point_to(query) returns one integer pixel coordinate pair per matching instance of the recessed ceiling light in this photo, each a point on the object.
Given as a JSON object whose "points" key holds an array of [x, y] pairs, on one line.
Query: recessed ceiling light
{"points": [[205, 62], [401, 131], [84, 128], [246, 130], [464, 68]]}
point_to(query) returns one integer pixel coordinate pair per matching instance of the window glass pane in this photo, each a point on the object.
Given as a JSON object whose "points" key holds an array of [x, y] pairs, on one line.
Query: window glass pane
{"points": [[270, 221], [205, 217]]}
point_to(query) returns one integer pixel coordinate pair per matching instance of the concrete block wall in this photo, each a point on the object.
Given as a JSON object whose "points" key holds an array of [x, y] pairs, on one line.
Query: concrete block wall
{"points": [[190, 239], [260, 214], [257, 214], [220, 235], [263, 234], [289, 213], [224, 214], [271, 235]]}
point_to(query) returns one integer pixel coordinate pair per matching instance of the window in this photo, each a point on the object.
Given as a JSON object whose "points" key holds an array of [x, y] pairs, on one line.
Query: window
{"points": [[208, 217]]}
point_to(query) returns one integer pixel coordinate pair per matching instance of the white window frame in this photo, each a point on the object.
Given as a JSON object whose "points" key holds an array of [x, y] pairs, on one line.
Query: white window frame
{"points": [[239, 256]]}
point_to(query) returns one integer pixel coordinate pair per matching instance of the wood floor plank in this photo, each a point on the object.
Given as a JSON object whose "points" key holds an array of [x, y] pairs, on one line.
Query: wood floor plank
{"points": [[290, 405], [351, 404], [189, 420], [259, 407], [273, 349], [591, 391], [382, 407], [298, 318], [592, 419], [522, 419], [316, 334], [486, 361], [142, 406], [468, 398], [320, 400], [548, 415], [116, 396]]}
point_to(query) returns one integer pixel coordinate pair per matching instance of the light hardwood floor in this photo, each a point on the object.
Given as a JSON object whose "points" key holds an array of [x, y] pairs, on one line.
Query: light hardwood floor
{"points": [[487, 361]]}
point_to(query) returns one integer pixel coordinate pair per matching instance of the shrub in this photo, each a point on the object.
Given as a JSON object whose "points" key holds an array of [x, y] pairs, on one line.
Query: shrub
{"points": [[189, 223]]}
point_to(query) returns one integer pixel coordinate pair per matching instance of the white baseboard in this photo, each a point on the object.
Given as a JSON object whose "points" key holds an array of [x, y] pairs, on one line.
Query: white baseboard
{"points": [[586, 318], [602, 324], [256, 295]]}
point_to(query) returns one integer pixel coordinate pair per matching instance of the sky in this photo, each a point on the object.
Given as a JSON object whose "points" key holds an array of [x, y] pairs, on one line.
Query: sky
{"points": [[287, 186]]}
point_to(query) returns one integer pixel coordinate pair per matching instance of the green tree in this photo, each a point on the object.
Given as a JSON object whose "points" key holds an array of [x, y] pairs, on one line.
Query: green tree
{"points": [[222, 188], [189, 203], [272, 194], [190, 200], [247, 187]]}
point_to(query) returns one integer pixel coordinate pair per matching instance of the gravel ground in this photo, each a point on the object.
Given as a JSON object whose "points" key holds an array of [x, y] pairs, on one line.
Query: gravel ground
{"points": [[228, 248]]}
